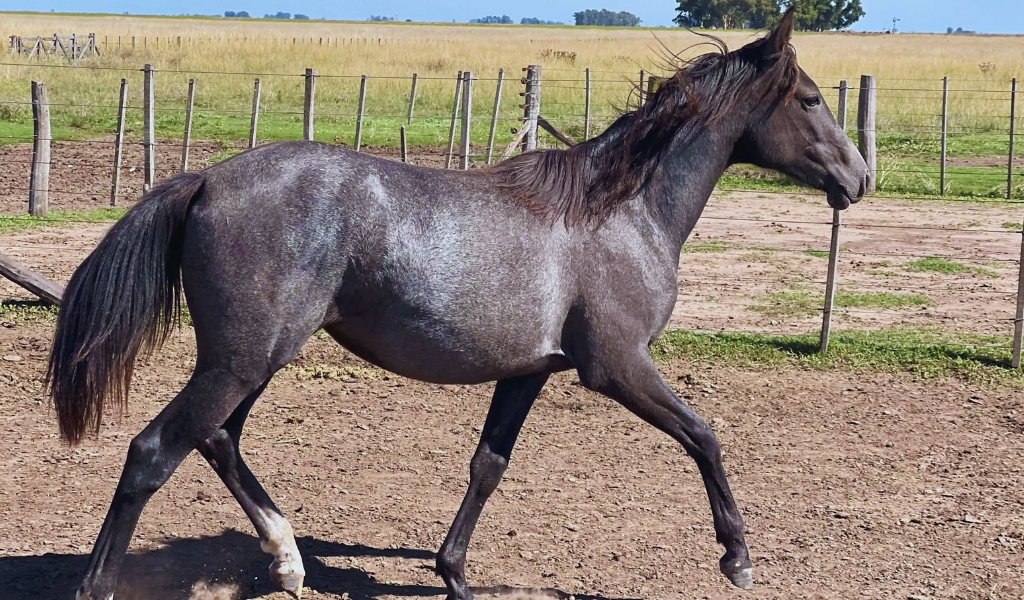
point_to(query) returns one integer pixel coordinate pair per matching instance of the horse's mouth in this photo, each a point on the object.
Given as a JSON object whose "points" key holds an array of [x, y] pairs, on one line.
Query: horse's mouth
{"points": [[839, 200]]}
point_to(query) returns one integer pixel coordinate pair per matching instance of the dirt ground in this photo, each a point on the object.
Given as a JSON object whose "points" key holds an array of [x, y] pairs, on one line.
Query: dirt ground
{"points": [[853, 485]]}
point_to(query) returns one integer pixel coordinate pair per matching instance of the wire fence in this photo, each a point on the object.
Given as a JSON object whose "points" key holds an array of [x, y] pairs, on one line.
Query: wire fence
{"points": [[954, 266]]}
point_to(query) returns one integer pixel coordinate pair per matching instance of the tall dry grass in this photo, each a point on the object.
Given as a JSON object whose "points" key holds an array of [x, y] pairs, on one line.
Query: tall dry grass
{"points": [[909, 69]]}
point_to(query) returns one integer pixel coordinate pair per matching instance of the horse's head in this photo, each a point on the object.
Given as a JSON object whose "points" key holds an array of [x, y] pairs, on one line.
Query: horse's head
{"points": [[794, 132]]}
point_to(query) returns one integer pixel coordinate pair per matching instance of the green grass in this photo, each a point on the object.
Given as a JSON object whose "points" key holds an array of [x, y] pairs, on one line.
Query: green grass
{"points": [[1012, 225], [941, 265], [11, 224], [804, 303], [924, 355], [20, 311], [817, 253], [706, 246]]}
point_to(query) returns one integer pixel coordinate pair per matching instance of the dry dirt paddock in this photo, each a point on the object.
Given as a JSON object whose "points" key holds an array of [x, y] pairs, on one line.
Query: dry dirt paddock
{"points": [[853, 484]]}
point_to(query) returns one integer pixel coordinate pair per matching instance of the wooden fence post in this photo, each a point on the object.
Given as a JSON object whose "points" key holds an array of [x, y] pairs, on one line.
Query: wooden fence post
{"points": [[412, 97], [187, 138], [531, 106], [455, 118], [115, 177], [866, 105], [494, 114], [586, 108], [404, 147], [467, 119], [942, 133], [307, 105], [39, 181], [641, 87], [359, 115], [844, 92], [830, 283], [1013, 124], [148, 134], [254, 120]]}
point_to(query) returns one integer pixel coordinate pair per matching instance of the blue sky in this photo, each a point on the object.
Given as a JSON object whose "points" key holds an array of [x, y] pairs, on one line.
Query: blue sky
{"points": [[987, 16]]}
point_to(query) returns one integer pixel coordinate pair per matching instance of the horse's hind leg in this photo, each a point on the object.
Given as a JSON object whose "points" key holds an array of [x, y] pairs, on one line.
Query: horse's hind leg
{"points": [[221, 450], [512, 401], [193, 416]]}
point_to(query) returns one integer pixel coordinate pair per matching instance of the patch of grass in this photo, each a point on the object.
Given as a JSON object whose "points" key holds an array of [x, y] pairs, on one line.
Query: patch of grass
{"points": [[941, 265], [804, 303], [922, 354], [10, 223], [21, 311], [817, 253], [706, 246], [1012, 225]]}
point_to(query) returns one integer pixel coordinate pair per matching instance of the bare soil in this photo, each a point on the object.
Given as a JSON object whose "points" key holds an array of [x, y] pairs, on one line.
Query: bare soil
{"points": [[852, 485]]}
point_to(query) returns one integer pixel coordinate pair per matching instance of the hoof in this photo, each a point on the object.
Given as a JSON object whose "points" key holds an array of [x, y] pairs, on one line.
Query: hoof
{"points": [[289, 577], [292, 584], [740, 573]]}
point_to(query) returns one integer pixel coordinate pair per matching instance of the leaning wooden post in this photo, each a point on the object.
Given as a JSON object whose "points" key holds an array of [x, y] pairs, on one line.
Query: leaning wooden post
{"points": [[586, 108], [403, 145], [494, 115], [455, 118], [1013, 124], [412, 98], [866, 106], [942, 133], [148, 134], [531, 106], [467, 119], [307, 105], [115, 177], [830, 282], [187, 138], [254, 119], [39, 181], [359, 114]]}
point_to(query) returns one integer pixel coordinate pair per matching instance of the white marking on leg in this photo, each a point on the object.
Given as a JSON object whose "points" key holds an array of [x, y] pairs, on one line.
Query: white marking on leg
{"points": [[287, 568]]}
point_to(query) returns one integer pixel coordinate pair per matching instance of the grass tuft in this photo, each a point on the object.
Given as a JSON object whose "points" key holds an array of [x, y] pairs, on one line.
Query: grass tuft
{"points": [[11, 224], [804, 303], [941, 265], [706, 246]]}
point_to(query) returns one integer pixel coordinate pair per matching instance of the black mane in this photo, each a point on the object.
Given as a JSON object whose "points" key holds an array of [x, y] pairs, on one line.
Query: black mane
{"points": [[586, 183]]}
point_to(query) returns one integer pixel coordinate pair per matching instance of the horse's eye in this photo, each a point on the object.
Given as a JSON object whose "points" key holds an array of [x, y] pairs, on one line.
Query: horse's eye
{"points": [[812, 101]]}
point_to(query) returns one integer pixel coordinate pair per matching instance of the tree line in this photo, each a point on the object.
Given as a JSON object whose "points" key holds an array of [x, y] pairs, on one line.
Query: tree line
{"points": [[808, 15]]}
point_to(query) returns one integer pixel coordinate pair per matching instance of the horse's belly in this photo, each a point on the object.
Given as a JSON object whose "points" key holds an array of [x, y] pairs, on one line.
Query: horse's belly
{"points": [[444, 348]]}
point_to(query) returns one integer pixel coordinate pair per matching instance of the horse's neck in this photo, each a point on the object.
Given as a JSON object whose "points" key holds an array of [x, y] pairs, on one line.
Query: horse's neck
{"points": [[686, 177]]}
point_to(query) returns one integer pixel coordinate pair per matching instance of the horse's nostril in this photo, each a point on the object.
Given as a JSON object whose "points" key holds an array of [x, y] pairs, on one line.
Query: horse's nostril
{"points": [[863, 185]]}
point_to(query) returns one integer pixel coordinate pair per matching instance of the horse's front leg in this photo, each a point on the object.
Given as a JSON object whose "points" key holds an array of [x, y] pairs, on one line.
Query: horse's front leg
{"points": [[631, 379], [512, 401]]}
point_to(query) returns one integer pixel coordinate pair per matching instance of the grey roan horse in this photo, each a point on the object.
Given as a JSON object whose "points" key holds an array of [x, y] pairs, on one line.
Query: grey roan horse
{"points": [[553, 260]]}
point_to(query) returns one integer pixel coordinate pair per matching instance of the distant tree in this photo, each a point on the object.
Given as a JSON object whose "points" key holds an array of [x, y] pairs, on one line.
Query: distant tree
{"points": [[380, 18], [825, 15], [231, 13], [280, 15], [242, 14], [728, 14], [536, 21], [492, 19], [606, 18], [298, 16]]}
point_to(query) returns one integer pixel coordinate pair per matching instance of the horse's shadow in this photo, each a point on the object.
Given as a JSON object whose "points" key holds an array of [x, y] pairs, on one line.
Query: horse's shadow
{"points": [[230, 565]]}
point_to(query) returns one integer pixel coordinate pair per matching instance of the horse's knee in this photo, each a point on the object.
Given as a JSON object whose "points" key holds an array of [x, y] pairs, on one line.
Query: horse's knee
{"points": [[487, 469]]}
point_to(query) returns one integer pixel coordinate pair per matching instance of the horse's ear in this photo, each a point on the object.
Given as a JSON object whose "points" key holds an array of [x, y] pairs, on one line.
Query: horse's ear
{"points": [[779, 38]]}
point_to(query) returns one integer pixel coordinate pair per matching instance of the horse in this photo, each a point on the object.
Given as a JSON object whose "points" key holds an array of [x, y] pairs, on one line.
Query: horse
{"points": [[550, 261]]}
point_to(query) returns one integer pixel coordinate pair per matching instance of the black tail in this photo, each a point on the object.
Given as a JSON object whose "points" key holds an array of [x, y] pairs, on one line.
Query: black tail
{"points": [[124, 298]]}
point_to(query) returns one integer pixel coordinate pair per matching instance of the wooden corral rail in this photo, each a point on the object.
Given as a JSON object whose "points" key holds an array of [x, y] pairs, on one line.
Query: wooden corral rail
{"points": [[47, 290], [72, 47]]}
